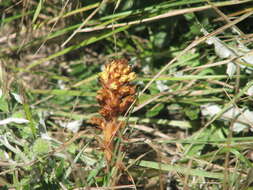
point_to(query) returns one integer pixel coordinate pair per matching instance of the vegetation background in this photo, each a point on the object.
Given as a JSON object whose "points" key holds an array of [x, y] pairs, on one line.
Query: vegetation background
{"points": [[192, 125]]}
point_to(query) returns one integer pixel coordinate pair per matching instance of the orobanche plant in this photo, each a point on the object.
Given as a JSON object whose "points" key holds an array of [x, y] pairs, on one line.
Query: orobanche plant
{"points": [[115, 97]]}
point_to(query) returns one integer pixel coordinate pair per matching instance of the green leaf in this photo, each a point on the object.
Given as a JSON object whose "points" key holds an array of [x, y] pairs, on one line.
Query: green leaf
{"points": [[191, 59], [41, 146], [29, 117], [154, 111], [4, 104], [59, 171], [192, 113], [160, 39], [72, 148], [195, 29]]}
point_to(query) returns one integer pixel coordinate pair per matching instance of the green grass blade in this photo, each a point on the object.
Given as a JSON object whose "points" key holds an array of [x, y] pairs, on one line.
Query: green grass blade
{"points": [[179, 169]]}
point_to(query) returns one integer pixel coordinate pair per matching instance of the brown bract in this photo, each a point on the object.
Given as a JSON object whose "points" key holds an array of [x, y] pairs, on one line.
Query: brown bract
{"points": [[114, 98]]}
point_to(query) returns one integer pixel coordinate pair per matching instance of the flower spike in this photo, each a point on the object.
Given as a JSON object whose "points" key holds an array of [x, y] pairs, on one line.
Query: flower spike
{"points": [[114, 98]]}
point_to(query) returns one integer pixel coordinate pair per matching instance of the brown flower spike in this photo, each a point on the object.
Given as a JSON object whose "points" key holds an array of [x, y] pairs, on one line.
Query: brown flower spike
{"points": [[114, 98]]}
